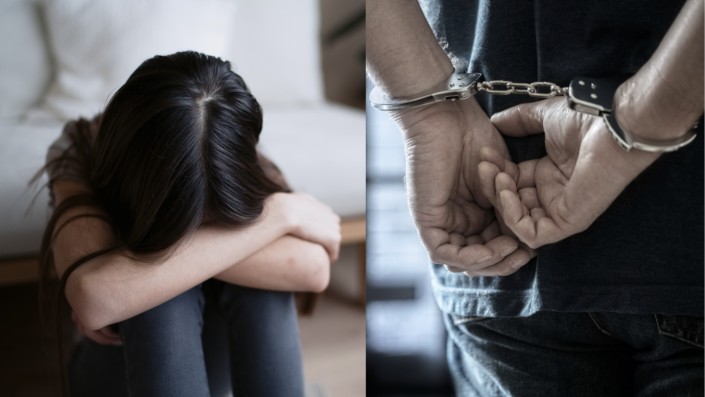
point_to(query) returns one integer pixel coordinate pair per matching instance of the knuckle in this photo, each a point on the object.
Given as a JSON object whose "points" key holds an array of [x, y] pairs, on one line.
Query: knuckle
{"points": [[533, 244]]}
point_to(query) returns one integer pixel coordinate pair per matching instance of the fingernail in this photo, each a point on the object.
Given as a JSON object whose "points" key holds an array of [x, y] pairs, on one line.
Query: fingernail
{"points": [[507, 251], [519, 263]]}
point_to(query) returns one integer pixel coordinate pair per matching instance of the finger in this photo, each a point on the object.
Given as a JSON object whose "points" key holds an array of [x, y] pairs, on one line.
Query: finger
{"points": [[521, 120], [535, 233], [457, 239], [333, 246], [492, 156], [335, 251], [507, 200], [491, 232], [474, 240], [537, 213], [504, 182], [501, 247], [506, 266], [511, 169], [529, 197], [454, 255], [532, 252], [109, 332], [487, 172], [98, 337], [515, 217], [526, 174], [454, 269]]}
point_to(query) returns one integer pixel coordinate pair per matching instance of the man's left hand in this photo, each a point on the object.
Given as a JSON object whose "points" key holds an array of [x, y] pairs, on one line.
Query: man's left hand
{"points": [[544, 201]]}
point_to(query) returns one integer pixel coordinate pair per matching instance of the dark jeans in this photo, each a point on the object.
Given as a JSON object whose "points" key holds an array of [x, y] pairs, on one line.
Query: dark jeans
{"points": [[180, 348], [576, 354]]}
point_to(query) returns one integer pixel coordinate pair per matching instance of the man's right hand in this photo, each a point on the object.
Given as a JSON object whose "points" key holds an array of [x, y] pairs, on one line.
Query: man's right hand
{"points": [[455, 221]]}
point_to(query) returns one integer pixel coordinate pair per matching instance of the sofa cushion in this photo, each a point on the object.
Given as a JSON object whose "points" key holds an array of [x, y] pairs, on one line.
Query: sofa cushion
{"points": [[22, 152], [96, 45], [25, 66], [275, 46], [321, 151]]}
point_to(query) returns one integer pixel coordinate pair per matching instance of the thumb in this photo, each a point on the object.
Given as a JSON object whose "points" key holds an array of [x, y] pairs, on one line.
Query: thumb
{"points": [[521, 120]]}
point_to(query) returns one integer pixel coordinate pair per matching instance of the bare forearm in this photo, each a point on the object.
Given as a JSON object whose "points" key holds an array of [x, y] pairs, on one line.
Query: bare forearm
{"points": [[114, 287], [403, 56], [666, 96], [287, 264], [117, 286]]}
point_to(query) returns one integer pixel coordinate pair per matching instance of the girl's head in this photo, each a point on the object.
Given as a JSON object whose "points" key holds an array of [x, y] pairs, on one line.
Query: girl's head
{"points": [[176, 147]]}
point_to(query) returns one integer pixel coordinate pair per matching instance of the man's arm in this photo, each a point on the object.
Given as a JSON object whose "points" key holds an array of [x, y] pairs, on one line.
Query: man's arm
{"points": [[665, 97], [116, 286], [562, 194], [442, 143], [403, 56]]}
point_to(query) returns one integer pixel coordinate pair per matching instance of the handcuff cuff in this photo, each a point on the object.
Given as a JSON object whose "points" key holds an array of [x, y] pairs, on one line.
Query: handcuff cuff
{"points": [[586, 95]]}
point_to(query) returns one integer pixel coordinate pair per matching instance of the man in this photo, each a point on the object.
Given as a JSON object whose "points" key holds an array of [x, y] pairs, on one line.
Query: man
{"points": [[613, 303]]}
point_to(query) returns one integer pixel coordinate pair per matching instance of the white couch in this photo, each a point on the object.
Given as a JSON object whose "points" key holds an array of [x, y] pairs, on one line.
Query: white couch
{"points": [[61, 59]]}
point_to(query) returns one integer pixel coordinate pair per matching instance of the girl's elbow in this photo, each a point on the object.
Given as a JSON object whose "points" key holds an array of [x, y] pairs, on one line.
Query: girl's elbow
{"points": [[85, 303]]}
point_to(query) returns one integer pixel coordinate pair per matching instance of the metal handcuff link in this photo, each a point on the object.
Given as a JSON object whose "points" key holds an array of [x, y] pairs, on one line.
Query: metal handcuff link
{"points": [[586, 95]]}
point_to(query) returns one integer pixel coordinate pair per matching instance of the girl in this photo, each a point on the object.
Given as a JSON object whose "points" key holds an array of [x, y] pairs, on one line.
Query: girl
{"points": [[164, 191]]}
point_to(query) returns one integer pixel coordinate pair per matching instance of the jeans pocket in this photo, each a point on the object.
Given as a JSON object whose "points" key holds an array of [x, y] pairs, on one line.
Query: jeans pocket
{"points": [[688, 329]]}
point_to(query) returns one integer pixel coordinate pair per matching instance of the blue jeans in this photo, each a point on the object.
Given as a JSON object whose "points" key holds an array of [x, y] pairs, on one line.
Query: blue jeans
{"points": [[576, 354], [180, 348]]}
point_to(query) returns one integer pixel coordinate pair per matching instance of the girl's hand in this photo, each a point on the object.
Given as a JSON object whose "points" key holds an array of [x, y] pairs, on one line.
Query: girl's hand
{"points": [[308, 219], [104, 336]]}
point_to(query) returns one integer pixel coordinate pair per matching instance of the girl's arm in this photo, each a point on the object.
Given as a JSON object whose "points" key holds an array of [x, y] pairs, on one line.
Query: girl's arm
{"points": [[287, 264], [114, 287]]}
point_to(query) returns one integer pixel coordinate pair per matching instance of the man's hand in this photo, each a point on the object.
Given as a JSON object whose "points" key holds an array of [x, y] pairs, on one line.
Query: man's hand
{"points": [[544, 201], [104, 336], [454, 220]]}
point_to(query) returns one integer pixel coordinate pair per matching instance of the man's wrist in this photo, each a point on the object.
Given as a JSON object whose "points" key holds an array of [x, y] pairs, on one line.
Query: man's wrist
{"points": [[412, 78], [645, 108]]}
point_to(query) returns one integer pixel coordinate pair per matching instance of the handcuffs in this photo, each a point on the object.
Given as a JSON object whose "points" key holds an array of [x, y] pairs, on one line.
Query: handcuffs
{"points": [[587, 95]]}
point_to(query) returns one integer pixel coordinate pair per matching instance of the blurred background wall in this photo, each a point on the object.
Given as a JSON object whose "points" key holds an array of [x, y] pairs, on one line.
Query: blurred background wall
{"points": [[343, 51], [406, 338]]}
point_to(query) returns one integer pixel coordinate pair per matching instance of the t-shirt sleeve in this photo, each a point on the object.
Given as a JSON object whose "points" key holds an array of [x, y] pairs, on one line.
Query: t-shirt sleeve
{"points": [[67, 157], [58, 164]]}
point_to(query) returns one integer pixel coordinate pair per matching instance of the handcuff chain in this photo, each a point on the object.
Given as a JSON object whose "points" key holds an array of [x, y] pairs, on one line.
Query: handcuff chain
{"points": [[521, 88]]}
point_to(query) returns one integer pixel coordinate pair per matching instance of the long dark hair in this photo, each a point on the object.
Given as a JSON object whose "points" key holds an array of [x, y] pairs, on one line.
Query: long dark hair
{"points": [[175, 149]]}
